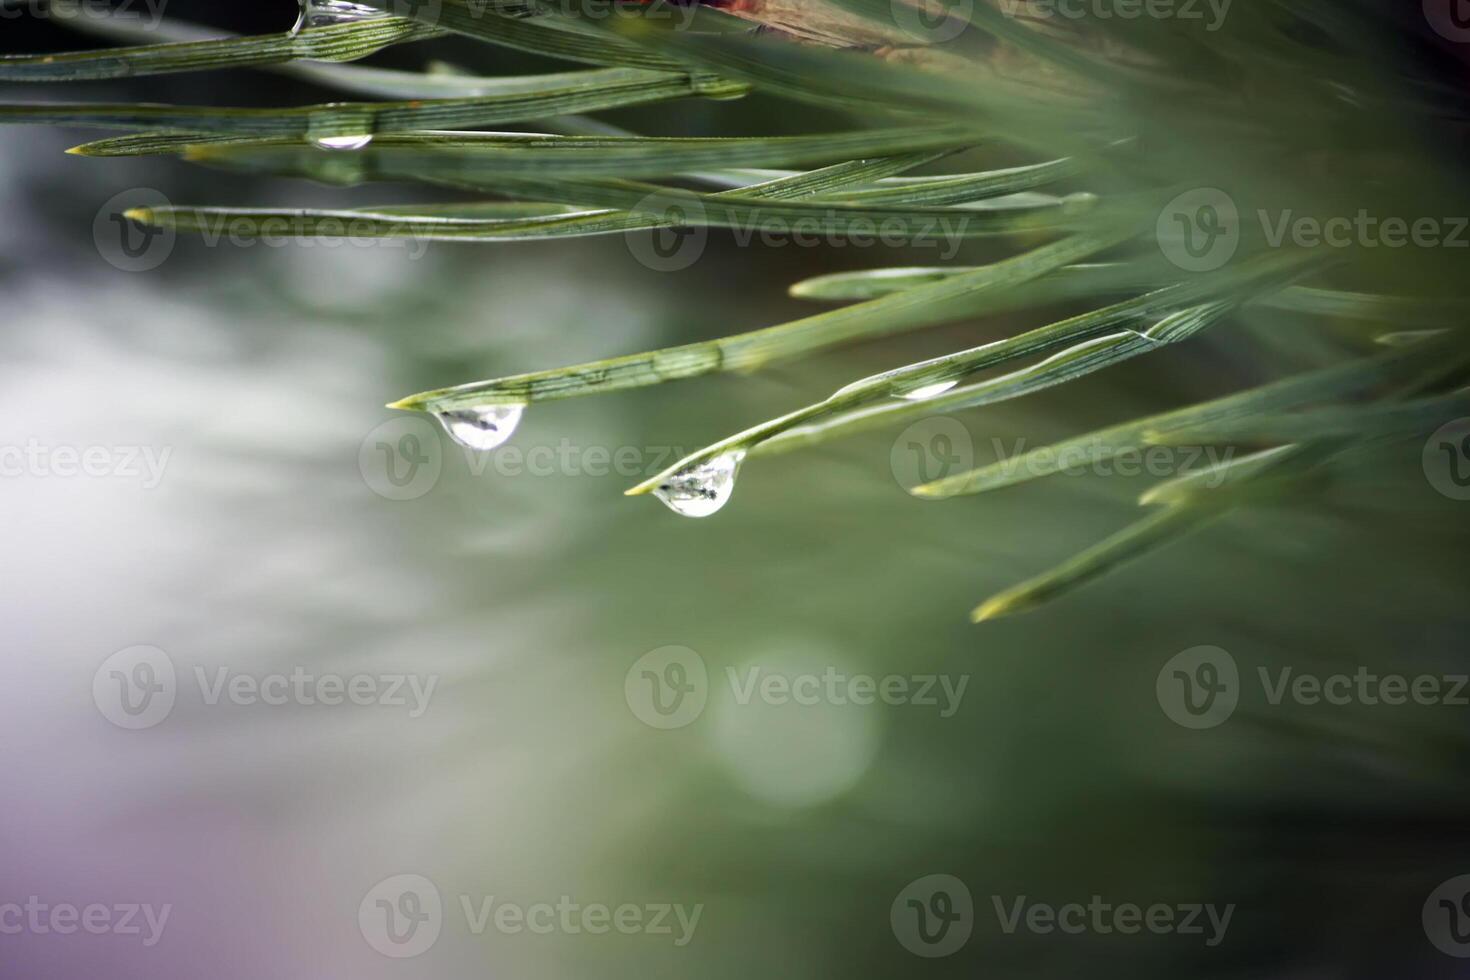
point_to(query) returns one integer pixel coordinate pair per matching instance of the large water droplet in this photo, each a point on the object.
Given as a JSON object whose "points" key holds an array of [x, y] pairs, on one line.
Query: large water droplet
{"points": [[481, 429], [928, 391], [703, 488], [325, 13], [343, 142]]}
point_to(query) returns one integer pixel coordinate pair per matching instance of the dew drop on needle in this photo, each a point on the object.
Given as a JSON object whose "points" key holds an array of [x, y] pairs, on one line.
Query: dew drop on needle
{"points": [[703, 488], [325, 13], [481, 429]]}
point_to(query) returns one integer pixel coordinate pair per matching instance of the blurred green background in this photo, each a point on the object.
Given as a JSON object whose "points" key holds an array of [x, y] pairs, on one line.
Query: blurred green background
{"points": [[265, 548]]}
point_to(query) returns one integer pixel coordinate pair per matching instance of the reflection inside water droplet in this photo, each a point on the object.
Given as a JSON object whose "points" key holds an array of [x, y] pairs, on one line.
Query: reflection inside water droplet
{"points": [[928, 391], [343, 142], [481, 429], [701, 489], [325, 13]]}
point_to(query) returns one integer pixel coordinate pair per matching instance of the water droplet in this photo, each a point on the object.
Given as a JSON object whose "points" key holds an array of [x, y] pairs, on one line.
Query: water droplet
{"points": [[481, 429], [325, 13], [343, 142], [703, 488], [927, 392]]}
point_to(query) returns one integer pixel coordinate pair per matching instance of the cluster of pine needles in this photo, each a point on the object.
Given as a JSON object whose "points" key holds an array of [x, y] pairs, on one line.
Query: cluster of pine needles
{"points": [[1307, 108]]}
